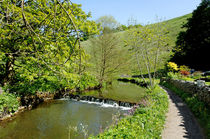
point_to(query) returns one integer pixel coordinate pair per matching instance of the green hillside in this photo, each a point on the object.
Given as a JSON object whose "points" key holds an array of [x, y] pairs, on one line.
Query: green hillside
{"points": [[174, 27]]}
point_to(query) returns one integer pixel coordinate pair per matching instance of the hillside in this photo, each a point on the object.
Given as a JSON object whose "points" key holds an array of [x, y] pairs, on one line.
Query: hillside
{"points": [[174, 27]]}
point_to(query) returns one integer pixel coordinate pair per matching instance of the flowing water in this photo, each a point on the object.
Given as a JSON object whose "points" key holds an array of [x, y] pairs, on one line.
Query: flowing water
{"points": [[64, 119]]}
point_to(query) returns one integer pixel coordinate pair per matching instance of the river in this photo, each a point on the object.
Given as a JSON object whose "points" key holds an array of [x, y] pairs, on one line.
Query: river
{"points": [[64, 118]]}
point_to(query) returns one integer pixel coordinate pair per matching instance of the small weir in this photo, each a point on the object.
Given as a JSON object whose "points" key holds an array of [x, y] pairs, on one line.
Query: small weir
{"points": [[101, 101]]}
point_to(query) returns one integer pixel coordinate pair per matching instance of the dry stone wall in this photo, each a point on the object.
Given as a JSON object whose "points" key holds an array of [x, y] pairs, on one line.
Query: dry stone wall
{"points": [[198, 88]]}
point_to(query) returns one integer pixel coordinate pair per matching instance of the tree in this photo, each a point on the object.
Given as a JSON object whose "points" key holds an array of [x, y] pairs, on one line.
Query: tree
{"points": [[108, 58], [108, 22], [193, 45], [147, 44], [40, 42]]}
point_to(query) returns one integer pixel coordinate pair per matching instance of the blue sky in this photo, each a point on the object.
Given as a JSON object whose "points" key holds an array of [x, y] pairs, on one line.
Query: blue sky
{"points": [[143, 11]]}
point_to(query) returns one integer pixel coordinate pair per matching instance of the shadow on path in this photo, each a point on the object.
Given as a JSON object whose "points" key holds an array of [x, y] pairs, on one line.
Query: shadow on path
{"points": [[180, 122]]}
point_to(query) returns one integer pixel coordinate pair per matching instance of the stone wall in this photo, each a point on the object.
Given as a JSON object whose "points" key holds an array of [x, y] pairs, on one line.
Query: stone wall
{"points": [[198, 88]]}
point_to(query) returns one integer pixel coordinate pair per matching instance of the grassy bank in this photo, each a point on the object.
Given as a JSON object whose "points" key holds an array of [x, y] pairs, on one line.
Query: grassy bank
{"points": [[146, 122], [199, 109]]}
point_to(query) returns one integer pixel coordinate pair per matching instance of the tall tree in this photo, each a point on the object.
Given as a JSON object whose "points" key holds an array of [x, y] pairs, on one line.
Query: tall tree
{"points": [[40, 40], [108, 21], [147, 44], [193, 45], [108, 57]]}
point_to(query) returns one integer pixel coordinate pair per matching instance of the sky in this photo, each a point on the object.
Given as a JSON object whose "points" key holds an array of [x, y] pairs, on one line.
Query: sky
{"points": [[138, 11]]}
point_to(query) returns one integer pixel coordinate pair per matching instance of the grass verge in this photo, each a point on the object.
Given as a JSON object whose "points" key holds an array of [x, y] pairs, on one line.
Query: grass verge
{"points": [[199, 109], [146, 122]]}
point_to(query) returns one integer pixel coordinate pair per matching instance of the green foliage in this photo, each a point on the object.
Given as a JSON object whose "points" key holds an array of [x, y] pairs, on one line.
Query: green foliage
{"points": [[39, 45], [147, 122], [108, 58], [174, 26], [197, 75], [8, 103], [193, 44], [88, 81], [184, 68], [199, 109], [172, 75], [147, 44], [108, 22]]}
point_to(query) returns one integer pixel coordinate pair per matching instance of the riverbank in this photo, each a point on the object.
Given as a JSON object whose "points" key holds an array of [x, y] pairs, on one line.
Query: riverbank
{"points": [[28, 102]]}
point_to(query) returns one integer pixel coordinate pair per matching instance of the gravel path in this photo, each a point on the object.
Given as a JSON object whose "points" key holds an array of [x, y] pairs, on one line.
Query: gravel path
{"points": [[180, 122]]}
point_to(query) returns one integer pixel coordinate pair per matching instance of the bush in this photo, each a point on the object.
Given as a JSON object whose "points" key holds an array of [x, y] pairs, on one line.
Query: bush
{"points": [[8, 103], [197, 75], [184, 68], [172, 75], [52, 84], [147, 122], [172, 67], [185, 73]]}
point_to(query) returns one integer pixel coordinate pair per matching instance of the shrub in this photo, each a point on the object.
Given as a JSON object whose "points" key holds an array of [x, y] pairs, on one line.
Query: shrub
{"points": [[197, 75], [184, 68], [8, 103], [172, 67], [184, 72], [172, 75]]}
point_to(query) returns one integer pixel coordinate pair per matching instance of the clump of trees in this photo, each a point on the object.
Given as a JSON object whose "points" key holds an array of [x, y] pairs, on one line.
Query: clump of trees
{"points": [[193, 45], [40, 45]]}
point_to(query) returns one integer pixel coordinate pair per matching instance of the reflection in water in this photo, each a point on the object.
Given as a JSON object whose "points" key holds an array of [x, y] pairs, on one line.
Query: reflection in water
{"points": [[57, 119], [120, 91]]}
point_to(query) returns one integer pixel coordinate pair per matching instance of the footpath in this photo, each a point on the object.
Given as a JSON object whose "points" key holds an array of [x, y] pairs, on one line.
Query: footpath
{"points": [[180, 122]]}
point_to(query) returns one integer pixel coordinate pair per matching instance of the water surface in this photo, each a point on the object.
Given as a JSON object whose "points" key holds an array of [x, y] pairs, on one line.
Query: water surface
{"points": [[57, 119], [127, 92]]}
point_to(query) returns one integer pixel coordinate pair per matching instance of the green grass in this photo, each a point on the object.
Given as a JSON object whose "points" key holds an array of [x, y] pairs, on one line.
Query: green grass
{"points": [[147, 122], [199, 109], [174, 26]]}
